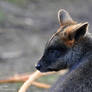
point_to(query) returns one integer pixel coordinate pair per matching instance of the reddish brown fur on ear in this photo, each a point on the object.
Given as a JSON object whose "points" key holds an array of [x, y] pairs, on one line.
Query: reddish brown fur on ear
{"points": [[73, 33], [70, 31], [67, 35], [69, 43]]}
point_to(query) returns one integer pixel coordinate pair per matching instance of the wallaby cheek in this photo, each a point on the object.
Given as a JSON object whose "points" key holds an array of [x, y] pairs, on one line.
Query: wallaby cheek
{"points": [[57, 65]]}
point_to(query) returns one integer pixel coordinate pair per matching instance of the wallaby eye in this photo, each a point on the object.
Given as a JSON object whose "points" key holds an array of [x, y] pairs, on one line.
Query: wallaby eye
{"points": [[51, 51], [54, 52]]}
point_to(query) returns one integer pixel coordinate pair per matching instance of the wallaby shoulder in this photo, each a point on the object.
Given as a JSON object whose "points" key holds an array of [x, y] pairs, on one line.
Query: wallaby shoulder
{"points": [[77, 80]]}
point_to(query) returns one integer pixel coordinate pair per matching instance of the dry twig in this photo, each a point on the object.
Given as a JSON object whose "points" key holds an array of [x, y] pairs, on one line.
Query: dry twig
{"points": [[23, 78], [33, 77], [29, 80]]}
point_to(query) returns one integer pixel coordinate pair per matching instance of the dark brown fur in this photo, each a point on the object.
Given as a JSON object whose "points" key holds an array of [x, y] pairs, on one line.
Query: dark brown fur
{"points": [[69, 48]]}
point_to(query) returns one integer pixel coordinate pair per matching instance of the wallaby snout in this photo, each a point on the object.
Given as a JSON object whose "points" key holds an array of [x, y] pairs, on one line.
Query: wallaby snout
{"points": [[38, 66]]}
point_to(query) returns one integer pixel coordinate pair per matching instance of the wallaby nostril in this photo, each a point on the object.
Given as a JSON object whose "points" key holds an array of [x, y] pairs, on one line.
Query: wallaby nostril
{"points": [[38, 66]]}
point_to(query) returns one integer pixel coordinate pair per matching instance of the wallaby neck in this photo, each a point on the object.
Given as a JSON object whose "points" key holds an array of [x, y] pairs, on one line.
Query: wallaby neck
{"points": [[80, 51]]}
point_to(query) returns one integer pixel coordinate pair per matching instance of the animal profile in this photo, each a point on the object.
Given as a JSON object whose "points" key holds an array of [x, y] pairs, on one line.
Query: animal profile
{"points": [[70, 47]]}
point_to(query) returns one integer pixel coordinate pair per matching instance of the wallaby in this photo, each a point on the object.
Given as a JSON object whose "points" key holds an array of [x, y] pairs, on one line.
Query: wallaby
{"points": [[69, 48]]}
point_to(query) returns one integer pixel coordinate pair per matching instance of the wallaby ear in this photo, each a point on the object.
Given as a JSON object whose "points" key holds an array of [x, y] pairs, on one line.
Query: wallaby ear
{"points": [[80, 30], [73, 33], [64, 17]]}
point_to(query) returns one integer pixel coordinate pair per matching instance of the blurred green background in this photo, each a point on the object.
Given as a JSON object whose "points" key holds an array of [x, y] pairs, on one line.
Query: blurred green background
{"points": [[25, 26]]}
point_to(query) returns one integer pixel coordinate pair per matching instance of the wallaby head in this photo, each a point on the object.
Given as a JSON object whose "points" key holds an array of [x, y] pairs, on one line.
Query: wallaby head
{"points": [[65, 48]]}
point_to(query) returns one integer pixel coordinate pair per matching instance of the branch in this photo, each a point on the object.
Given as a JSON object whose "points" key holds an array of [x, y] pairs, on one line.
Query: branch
{"points": [[41, 85], [23, 78], [33, 77], [30, 79]]}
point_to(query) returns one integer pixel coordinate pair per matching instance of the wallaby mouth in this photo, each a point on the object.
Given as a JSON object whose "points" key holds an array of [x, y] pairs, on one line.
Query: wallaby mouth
{"points": [[46, 69]]}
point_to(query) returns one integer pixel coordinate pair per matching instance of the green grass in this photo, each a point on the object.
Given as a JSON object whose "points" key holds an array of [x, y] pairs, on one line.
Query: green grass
{"points": [[49, 79]]}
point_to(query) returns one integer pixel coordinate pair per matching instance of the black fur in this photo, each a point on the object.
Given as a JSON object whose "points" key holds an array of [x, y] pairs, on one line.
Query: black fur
{"points": [[77, 58]]}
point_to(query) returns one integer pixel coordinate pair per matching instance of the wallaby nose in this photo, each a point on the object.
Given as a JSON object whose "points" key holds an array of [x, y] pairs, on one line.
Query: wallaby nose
{"points": [[38, 66]]}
